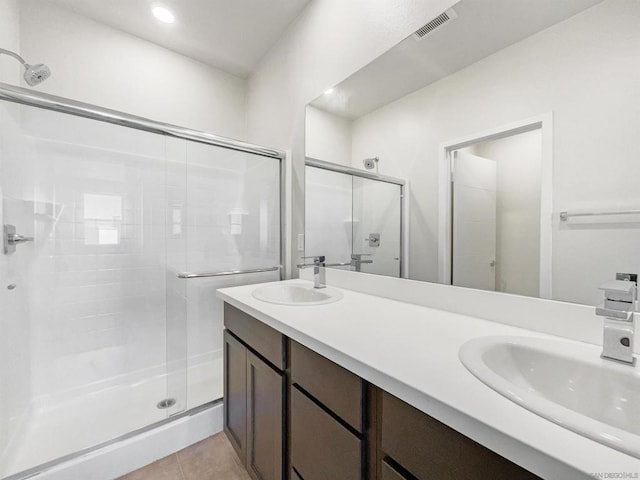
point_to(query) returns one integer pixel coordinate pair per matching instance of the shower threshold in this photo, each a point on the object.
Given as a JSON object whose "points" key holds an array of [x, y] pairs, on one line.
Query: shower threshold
{"points": [[68, 426], [42, 469]]}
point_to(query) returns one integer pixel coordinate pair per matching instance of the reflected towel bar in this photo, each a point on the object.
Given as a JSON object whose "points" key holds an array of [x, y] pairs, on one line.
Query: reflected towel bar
{"points": [[564, 216], [230, 272]]}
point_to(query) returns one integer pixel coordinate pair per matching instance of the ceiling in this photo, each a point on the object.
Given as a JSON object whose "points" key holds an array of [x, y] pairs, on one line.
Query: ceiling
{"points": [[232, 35], [482, 27]]}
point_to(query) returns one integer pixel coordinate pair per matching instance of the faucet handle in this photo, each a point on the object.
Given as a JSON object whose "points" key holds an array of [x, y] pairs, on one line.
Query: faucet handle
{"points": [[620, 292], [317, 258]]}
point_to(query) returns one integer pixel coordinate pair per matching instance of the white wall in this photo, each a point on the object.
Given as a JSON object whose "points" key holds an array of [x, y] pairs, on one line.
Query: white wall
{"points": [[93, 63], [9, 40], [518, 161], [329, 41], [328, 136], [590, 83]]}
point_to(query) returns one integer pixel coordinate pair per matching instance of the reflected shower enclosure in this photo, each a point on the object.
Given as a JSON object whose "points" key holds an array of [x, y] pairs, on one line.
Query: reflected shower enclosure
{"points": [[354, 218], [103, 334]]}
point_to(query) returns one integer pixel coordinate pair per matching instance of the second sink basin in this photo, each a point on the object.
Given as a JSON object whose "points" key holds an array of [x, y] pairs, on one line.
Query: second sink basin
{"points": [[296, 294], [563, 381]]}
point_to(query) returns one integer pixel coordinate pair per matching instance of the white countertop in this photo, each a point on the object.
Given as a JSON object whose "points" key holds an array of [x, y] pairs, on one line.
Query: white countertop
{"points": [[411, 351]]}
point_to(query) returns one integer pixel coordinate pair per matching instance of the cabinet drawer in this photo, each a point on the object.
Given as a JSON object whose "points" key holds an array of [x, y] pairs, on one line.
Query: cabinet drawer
{"points": [[335, 387], [431, 450], [390, 473], [321, 448], [258, 336]]}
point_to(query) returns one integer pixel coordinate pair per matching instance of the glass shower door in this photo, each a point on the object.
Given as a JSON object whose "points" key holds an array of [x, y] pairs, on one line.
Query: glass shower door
{"points": [[85, 344], [329, 220], [376, 226], [353, 220], [115, 242], [232, 224]]}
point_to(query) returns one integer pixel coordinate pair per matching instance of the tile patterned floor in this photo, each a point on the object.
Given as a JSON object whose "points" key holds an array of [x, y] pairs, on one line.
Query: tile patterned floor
{"points": [[210, 459]]}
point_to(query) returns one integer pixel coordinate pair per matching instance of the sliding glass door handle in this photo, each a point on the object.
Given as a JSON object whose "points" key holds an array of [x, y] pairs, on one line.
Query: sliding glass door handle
{"points": [[11, 238], [15, 239]]}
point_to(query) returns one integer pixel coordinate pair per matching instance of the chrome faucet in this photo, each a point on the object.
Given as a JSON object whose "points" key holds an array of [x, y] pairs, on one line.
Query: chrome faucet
{"points": [[357, 261], [618, 308], [319, 277]]}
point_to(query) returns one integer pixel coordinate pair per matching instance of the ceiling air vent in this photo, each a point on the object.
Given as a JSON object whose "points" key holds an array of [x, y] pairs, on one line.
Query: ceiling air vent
{"points": [[434, 24]]}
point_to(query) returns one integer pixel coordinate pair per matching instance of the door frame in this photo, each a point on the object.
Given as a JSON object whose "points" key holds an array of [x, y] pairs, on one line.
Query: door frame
{"points": [[544, 123]]}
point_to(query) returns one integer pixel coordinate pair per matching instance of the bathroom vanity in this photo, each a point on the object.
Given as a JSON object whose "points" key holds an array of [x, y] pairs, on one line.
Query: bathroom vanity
{"points": [[372, 388], [336, 425]]}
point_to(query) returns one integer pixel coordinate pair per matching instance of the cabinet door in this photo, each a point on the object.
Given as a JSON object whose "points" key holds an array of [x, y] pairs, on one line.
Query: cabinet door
{"points": [[235, 393], [265, 393], [321, 447]]}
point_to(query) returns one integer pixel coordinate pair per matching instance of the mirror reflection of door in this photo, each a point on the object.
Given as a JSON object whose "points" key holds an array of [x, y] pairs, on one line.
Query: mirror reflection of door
{"points": [[496, 214], [474, 221]]}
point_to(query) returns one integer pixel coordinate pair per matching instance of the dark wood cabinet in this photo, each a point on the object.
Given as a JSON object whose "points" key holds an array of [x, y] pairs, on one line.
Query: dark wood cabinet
{"points": [[265, 420], [390, 473], [328, 423], [291, 413], [428, 449], [321, 447], [340, 390], [235, 393], [255, 395], [268, 343]]}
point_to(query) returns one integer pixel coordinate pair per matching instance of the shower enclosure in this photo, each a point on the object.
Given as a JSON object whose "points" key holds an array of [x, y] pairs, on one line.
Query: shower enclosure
{"points": [[354, 217], [117, 232]]}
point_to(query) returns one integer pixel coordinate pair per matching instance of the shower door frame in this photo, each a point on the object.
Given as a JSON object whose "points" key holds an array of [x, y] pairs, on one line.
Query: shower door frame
{"points": [[46, 101], [354, 172], [31, 98]]}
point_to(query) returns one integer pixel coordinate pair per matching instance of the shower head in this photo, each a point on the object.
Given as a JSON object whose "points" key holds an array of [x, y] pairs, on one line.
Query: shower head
{"points": [[33, 74], [370, 163]]}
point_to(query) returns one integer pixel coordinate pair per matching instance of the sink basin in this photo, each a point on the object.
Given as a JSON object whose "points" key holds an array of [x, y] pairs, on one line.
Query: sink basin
{"points": [[563, 381], [296, 294]]}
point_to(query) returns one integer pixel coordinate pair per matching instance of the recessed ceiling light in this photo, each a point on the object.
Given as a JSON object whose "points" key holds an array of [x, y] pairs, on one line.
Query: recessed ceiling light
{"points": [[329, 91], [163, 14]]}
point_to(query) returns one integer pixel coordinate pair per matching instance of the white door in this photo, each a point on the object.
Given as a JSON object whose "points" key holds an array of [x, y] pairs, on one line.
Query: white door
{"points": [[474, 221]]}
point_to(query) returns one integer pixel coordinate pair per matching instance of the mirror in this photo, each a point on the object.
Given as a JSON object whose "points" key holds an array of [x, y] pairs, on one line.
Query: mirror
{"points": [[513, 125]]}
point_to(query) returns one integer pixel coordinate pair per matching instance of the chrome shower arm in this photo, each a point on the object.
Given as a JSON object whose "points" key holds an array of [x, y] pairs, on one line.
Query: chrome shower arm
{"points": [[14, 55]]}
